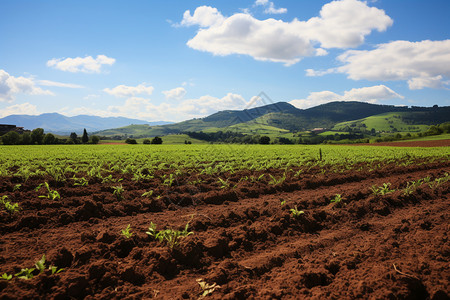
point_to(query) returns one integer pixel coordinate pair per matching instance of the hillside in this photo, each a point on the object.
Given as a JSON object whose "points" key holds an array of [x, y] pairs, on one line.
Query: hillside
{"points": [[412, 121], [281, 117]]}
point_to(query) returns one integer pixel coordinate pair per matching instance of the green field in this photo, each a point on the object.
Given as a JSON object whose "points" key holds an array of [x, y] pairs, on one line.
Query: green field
{"points": [[387, 122], [100, 160]]}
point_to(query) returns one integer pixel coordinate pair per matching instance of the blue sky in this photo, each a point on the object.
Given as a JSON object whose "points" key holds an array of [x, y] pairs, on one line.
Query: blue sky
{"points": [[176, 60]]}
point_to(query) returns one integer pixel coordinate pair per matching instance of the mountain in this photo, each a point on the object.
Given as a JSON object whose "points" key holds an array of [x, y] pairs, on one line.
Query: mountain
{"points": [[280, 117], [57, 123]]}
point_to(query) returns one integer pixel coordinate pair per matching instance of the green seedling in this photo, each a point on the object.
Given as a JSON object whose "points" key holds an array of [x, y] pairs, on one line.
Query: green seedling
{"points": [[170, 236], [277, 181], [223, 183], [168, 181], [148, 194], [283, 202], [51, 194], [80, 181], [12, 207], [381, 190], [6, 276], [25, 274], [152, 230], [127, 232], [40, 264], [17, 187], [337, 199], [55, 270], [296, 213], [118, 191]]}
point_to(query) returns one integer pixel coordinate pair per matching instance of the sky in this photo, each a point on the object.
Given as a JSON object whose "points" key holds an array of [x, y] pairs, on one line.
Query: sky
{"points": [[176, 60]]}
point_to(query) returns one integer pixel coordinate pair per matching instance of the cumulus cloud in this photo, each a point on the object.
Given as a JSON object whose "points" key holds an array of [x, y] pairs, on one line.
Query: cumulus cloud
{"points": [[176, 93], [10, 86], [204, 16], [421, 64], [341, 24], [144, 109], [19, 109], [371, 94], [270, 7], [59, 84], [130, 91], [207, 105], [86, 64]]}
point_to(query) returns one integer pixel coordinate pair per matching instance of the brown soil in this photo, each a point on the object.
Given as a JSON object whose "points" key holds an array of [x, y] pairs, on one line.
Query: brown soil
{"points": [[245, 241], [437, 143]]}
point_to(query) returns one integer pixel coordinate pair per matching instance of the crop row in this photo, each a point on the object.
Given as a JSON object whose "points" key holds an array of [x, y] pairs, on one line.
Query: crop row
{"points": [[101, 160]]}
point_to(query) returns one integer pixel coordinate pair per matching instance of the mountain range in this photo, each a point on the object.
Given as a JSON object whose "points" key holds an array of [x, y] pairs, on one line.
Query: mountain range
{"points": [[276, 118], [283, 117], [60, 124]]}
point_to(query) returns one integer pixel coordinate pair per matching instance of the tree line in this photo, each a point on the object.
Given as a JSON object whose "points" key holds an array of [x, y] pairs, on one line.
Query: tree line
{"points": [[39, 137]]}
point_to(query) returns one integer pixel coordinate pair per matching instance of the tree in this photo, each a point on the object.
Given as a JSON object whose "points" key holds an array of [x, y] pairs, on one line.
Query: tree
{"points": [[74, 137], [84, 138], [146, 142], [26, 138], [49, 139], [264, 140], [95, 139], [11, 138], [37, 136], [130, 141], [157, 140]]}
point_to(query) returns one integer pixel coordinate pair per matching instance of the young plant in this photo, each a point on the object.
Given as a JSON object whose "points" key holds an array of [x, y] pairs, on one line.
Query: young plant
{"points": [[40, 264], [223, 183], [127, 232], [381, 190], [296, 213], [51, 194], [148, 194], [55, 270], [118, 191], [6, 276], [80, 181], [338, 200], [25, 274], [277, 181], [168, 181], [170, 236], [17, 187]]}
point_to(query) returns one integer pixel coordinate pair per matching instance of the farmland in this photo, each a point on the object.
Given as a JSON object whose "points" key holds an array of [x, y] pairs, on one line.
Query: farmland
{"points": [[224, 221]]}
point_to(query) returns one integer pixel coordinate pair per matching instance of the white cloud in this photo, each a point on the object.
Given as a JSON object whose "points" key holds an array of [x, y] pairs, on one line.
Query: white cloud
{"points": [[59, 84], [19, 109], [207, 105], [422, 64], [270, 7], [130, 91], [176, 93], [144, 109], [345, 23], [86, 64], [371, 94], [10, 86], [341, 24], [204, 16]]}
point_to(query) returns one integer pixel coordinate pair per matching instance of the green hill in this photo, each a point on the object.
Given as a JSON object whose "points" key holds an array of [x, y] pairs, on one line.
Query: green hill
{"points": [[281, 118]]}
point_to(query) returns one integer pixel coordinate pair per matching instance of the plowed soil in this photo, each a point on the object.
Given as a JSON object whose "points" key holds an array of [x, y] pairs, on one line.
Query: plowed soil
{"points": [[246, 243]]}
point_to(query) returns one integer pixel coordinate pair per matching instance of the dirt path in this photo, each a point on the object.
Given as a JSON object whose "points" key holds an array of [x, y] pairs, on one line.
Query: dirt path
{"points": [[252, 247]]}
